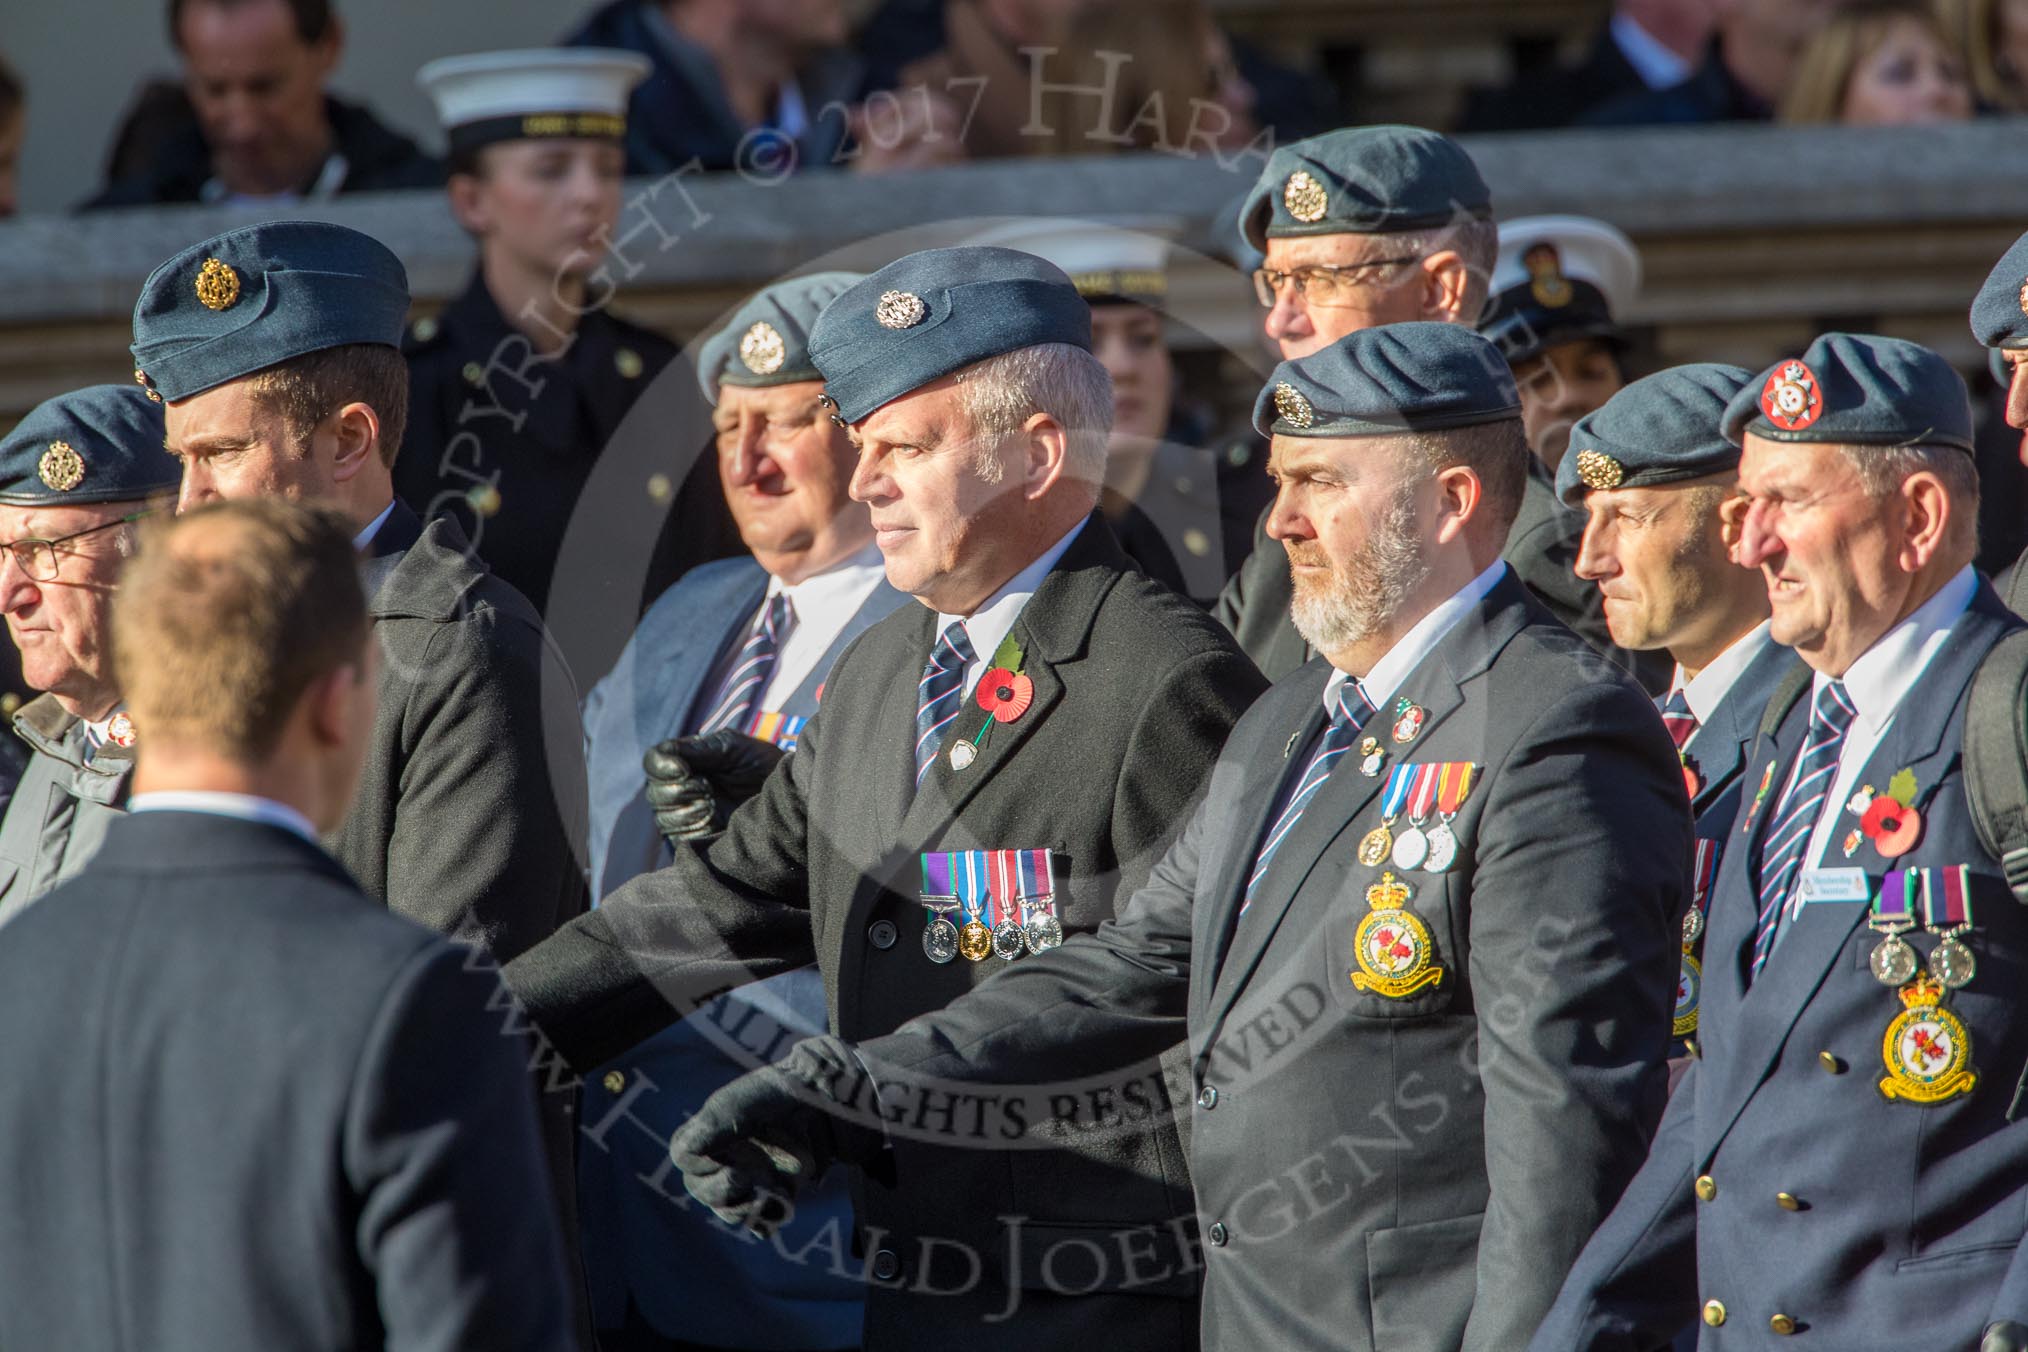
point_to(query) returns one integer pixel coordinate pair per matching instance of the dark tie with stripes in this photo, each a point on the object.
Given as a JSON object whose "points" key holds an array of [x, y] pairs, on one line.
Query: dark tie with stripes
{"points": [[1787, 841], [739, 696], [1678, 719], [1350, 715], [940, 694]]}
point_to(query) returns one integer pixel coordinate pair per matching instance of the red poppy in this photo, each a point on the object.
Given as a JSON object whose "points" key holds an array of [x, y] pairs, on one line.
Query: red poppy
{"points": [[1005, 694], [1891, 827]]}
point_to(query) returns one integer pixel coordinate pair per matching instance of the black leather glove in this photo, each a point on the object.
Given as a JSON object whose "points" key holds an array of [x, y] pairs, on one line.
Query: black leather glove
{"points": [[694, 783], [2006, 1336], [774, 1130]]}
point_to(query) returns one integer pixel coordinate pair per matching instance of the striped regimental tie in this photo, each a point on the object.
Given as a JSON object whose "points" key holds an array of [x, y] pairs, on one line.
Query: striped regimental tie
{"points": [[1346, 720], [940, 695], [739, 697], [1678, 719], [1788, 839]]}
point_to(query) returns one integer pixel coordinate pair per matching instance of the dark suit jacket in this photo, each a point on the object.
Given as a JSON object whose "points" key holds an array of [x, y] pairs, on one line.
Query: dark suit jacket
{"points": [[242, 1107], [1398, 1174], [1555, 97], [1909, 1221], [1135, 689], [1718, 750]]}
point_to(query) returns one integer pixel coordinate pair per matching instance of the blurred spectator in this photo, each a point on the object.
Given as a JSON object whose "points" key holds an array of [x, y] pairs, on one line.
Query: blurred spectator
{"points": [[1645, 45], [1879, 63], [760, 85], [1180, 90], [968, 51], [1746, 67], [13, 126], [254, 122], [1991, 37]]}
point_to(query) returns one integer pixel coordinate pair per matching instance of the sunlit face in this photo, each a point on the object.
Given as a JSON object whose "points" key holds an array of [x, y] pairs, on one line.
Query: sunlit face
{"points": [[1660, 563], [784, 465], [1299, 324], [1129, 342], [947, 510], [1830, 554], [2017, 392], [543, 205], [63, 627], [258, 90], [1908, 79], [1352, 516], [232, 447], [1559, 387]]}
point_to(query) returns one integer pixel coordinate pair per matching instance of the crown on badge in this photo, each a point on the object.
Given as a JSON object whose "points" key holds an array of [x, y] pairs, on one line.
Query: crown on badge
{"points": [[899, 310], [762, 349], [1305, 197], [1389, 894], [1791, 399], [1295, 410], [217, 285], [1599, 470], [61, 467], [1922, 992]]}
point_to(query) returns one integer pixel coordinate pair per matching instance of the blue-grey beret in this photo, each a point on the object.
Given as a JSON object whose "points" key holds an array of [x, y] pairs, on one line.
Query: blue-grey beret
{"points": [[252, 297], [931, 313], [1660, 429], [99, 444], [1414, 377], [1364, 181], [2000, 310], [1854, 389], [767, 340]]}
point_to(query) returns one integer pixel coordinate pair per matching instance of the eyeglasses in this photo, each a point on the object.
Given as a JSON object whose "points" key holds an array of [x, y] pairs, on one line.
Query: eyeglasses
{"points": [[1323, 283], [37, 558]]}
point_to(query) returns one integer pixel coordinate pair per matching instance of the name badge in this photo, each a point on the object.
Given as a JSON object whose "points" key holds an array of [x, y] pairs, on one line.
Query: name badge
{"points": [[1835, 884]]}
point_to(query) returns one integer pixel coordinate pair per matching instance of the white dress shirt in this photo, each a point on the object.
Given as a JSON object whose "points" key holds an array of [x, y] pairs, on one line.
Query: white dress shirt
{"points": [[1705, 691], [1876, 684], [1408, 651], [991, 622], [365, 537], [244, 806], [1657, 66], [819, 608]]}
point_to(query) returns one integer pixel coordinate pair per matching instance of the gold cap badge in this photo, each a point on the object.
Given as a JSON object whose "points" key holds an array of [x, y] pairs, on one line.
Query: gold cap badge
{"points": [[1546, 281], [2024, 298], [1305, 197], [217, 285], [899, 310], [62, 468], [762, 349], [141, 378], [1294, 408], [1599, 470]]}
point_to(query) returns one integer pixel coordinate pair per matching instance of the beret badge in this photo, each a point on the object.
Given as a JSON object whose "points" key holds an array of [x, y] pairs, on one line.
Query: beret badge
{"points": [[899, 310], [1546, 280], [1599, 470], [762, 349], [1791, 399], [217, 285], [61, 467], [1293, 407], [1305, 197], [2024, 297]]}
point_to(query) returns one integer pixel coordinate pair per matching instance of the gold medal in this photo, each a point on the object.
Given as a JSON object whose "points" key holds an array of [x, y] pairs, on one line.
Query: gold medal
{"points": [[1927, 1050], [1377, 846], [975, 942], [1689, 990], [1396, 953]]}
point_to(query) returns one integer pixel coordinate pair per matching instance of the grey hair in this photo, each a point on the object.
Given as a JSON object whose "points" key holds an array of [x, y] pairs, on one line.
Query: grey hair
{"points": [[1883, 469], [1475, 241], [1060, 379]]}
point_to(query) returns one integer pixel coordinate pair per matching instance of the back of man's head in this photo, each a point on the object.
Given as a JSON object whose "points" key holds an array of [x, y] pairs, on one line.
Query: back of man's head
{"points": [[232, 615]]}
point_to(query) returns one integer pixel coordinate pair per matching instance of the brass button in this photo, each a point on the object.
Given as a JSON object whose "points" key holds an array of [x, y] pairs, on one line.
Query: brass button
{"points": [[614, 1082], [474, 373], [1787, 1201], [1706, 1188], [1714, 1312], [1691, 1048], [1832, 1064], [1782, 1324]]}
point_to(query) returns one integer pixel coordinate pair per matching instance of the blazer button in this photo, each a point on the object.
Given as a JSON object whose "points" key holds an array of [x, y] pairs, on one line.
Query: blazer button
{"points": [[1787, 1201], [886, 1266], [1707, 1188], [1714, 1312], [614, 1082], [1207, 1097], [881, 934], [1832, 1065], [1782, 1324], [1217, 1235]]}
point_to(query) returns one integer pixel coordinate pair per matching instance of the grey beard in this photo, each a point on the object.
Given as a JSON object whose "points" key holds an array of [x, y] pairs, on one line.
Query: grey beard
{"points": [[1355, 601]]}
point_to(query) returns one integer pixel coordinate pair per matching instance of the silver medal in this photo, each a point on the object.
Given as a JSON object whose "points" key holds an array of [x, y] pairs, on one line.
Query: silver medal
{"points": [[1693, 925], [1893, 962], [1042, 932], [1443, 849], [963, 754], [940, 940], [1007, 941], [1951, 963], [1411, 847]]}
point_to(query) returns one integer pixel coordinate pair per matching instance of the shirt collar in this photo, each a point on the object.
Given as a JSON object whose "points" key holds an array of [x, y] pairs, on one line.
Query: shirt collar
{"points": [[1885, 673], [1409, 650], [820, 591], [243, 806], [365, 537], [1708, 689], [991, 622]]}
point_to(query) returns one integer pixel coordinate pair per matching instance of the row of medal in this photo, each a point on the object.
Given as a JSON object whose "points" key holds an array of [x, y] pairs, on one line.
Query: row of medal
{"points": [[779, 728], [1431, 788], [1927, 1049], [1690, 976], [988, 904]]}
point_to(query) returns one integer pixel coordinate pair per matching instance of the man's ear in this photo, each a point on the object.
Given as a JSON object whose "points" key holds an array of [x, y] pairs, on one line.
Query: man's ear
{"points": [[1929, 512], [1046, 451], [1460, 498], [356, 430], [330, 700], [1446, 282]]}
